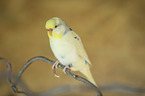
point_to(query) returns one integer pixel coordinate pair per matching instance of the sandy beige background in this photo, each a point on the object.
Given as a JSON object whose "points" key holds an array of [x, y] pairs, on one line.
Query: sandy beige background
{"points": [[112, 31]]}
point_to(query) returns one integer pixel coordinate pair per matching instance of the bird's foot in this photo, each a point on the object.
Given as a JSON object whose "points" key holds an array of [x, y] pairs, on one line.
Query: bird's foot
{"points": [[55, 66], [64, 69]]}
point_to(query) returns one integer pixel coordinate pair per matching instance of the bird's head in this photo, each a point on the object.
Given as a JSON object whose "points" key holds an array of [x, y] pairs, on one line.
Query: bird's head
{"points": [[55, 27]]}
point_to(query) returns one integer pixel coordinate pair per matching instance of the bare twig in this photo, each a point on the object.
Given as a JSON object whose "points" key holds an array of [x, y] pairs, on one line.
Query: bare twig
{"points": [[59, 89], [9, 73], [14, 85]]}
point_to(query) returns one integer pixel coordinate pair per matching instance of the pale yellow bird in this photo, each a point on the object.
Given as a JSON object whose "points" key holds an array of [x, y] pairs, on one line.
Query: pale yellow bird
{"points": [[67, 47]]}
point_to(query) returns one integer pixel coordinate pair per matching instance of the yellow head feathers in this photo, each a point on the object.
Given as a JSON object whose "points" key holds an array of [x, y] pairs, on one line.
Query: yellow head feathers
{"points": [[50, 24], [55, 27]]}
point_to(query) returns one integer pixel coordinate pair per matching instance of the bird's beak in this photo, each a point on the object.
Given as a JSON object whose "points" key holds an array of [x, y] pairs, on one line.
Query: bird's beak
{"points": [[50, 31]]}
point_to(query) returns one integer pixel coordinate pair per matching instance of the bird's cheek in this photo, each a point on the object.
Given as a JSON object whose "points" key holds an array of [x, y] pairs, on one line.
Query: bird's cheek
{"points": [[56, 35]]}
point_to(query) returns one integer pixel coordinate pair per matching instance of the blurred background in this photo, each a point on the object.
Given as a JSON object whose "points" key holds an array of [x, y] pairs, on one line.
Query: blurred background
{"points": [[112, 31]]}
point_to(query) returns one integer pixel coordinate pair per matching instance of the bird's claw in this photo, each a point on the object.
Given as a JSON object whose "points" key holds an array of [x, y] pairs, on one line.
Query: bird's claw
{"points": [[64, 69], [55, 66]]}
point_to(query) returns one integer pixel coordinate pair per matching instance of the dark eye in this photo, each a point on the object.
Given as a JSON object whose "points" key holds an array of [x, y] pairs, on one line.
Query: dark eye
{"points": [[55, 26]]}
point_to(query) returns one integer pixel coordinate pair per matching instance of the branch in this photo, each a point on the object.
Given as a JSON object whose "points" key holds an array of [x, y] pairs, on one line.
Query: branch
{"points": [[29, 62], [9, 75]]}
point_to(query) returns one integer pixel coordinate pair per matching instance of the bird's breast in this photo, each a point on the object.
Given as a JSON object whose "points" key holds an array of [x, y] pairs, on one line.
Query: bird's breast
{"points": [[64, 51]]}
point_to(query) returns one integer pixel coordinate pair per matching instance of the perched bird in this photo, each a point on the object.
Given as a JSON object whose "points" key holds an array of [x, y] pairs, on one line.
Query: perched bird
{"points": [[67, 47]]}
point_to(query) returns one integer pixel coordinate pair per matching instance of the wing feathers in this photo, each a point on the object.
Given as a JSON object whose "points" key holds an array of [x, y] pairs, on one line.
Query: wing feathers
{"points": [[79, 46]]}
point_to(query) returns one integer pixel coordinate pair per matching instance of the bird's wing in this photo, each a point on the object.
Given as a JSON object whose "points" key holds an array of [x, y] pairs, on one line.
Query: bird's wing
{"points": [[79, 46]]}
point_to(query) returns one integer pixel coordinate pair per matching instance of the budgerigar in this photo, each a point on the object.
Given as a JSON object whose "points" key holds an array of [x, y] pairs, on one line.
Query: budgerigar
{"points": [[67, 47]]}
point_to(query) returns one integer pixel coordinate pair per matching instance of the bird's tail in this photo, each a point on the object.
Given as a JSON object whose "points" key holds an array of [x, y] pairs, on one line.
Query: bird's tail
{"points": [[86, 71]]}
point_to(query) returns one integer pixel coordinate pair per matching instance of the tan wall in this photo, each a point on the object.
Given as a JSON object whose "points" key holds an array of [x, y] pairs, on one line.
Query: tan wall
{"points": [[112, 31]]}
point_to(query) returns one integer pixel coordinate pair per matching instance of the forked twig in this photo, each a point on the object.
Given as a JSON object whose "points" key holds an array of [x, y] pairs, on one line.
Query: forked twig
{"points": [[29, 62], [9, 79]]}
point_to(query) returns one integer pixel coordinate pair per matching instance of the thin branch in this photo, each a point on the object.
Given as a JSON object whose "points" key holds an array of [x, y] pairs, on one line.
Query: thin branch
{"points": [[77, 77], [60, 89], [28, 63], [13, 85], [117, 87], [9, 73]]}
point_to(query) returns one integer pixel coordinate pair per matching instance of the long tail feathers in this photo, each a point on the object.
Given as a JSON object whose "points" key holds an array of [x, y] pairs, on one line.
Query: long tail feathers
{"points": [[86, 71]]}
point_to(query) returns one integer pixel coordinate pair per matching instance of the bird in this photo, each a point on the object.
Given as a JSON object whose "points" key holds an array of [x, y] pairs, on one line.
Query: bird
{"points": [[68, 48]]}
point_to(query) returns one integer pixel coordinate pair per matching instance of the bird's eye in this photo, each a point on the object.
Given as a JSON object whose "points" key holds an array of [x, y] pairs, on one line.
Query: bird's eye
{"points": [[55, 26]]}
